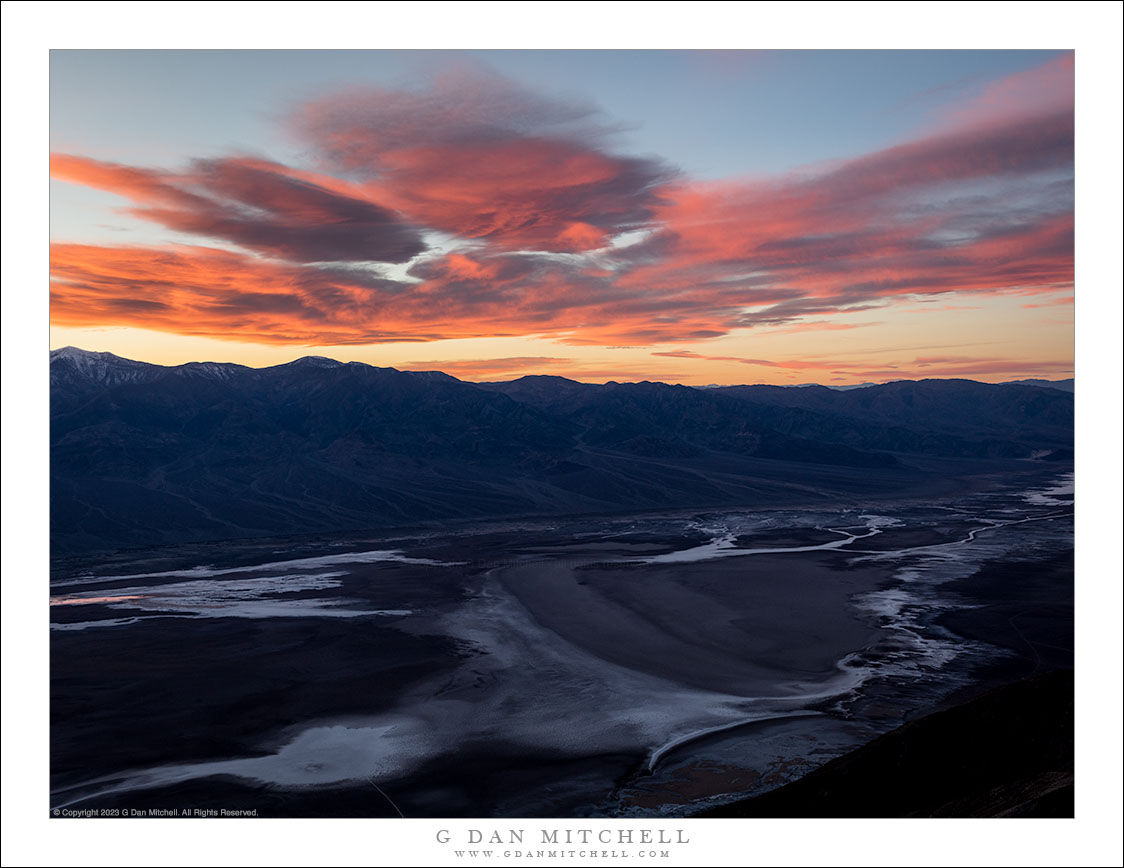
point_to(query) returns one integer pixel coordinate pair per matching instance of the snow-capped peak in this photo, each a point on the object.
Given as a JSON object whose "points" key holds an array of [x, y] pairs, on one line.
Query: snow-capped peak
{"points": [[317, 362], [68, 362], [211, 370]]}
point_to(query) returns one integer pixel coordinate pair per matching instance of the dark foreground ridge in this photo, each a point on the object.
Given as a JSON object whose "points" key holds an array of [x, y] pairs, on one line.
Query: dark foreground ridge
{"points": [[1007, 753], [145, 455]]}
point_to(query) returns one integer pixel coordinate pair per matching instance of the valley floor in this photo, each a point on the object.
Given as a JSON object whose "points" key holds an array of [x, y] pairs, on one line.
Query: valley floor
{"points": [[626, 666]]}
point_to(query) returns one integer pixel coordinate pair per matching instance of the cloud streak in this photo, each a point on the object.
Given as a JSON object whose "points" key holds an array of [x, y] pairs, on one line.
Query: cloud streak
{"points": [[919, 366], [495, 368], [255, 204]]}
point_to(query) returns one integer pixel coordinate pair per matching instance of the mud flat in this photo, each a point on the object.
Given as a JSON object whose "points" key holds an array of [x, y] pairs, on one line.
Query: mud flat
{"points": [[752, 626]]}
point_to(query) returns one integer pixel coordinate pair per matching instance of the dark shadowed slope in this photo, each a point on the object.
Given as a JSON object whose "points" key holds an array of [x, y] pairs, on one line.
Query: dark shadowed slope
{"points": [[144, 454], [661, 419], [1006, 753], [937, 417], [217, 451]]}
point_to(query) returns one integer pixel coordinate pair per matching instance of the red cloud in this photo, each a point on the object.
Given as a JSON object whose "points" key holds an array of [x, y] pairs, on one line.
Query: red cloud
{"points": [[256, 204], [204, 291], [478, 157], [882, 225]]}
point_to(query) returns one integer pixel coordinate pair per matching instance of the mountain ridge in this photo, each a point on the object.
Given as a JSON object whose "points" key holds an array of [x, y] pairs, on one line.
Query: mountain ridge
{"points": [[147, 454], [72, 352]]}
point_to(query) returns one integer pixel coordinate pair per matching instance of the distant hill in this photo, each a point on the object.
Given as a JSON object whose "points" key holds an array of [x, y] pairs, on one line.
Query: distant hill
{"points": [[1064, 385], [145, 454]]}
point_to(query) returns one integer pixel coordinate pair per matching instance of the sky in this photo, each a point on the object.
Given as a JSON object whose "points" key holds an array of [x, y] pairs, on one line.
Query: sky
{"points": [[686, 216]]}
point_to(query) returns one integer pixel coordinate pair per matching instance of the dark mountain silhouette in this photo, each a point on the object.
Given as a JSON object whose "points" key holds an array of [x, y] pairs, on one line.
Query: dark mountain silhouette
{"points": [[144, 454]]}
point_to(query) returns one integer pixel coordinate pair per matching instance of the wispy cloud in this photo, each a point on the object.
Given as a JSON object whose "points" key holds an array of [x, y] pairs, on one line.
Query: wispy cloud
{"points": [[919, 366], [480, 368]]}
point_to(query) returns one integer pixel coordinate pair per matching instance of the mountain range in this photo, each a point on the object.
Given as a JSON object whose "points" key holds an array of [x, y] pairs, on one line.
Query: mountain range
{"points": [[144, 454]]}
